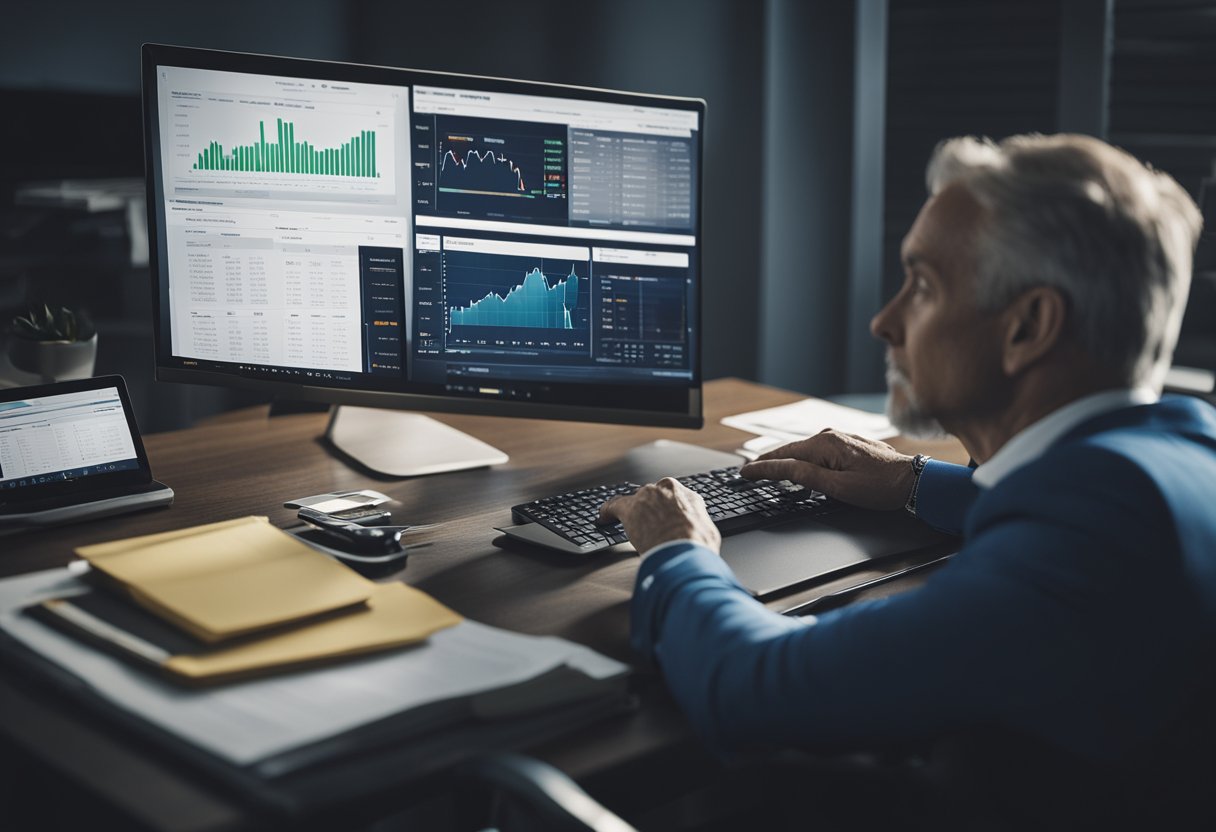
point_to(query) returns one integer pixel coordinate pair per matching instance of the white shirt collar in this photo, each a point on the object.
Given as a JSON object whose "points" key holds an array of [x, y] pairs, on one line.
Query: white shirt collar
{"points": [[1031, 442]]}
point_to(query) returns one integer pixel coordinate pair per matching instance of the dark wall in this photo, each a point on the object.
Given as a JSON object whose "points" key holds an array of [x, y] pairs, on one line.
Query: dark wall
{"points": [[91, 46], [1138, 73], [961, 67], [1163, 109], [1163, 86], [807, 164]]}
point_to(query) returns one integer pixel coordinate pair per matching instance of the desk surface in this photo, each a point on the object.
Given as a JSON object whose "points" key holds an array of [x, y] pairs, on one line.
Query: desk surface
{"points": [[245, 463]]}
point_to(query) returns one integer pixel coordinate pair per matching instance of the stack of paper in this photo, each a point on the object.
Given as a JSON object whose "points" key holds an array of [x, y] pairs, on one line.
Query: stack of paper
{"points": [[471, 670]]}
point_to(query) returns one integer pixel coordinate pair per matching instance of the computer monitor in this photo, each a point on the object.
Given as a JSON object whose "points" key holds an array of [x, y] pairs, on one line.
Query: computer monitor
{"points": [[396, 238]]}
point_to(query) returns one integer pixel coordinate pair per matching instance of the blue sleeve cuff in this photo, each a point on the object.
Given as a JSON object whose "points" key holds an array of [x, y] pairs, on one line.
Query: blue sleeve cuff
{"points": [[944, 495], [662, 547]]}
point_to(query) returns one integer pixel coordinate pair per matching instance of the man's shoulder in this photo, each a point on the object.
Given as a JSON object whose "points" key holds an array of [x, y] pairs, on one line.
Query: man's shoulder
{"points": [[1127, 498], [1175, 437], [1185, 417], [1091, 475], [1144, 464], [1171, 441]]}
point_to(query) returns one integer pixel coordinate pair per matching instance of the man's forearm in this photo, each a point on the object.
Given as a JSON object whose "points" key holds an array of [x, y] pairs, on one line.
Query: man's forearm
{"points": [[708, 635]]}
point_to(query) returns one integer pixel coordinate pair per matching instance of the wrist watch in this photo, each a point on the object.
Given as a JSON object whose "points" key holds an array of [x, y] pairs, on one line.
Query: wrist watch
{"points": [[918, 468]]}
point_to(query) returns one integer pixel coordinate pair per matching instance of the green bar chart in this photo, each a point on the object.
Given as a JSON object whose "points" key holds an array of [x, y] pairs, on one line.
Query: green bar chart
{"points": [[284, 153]]}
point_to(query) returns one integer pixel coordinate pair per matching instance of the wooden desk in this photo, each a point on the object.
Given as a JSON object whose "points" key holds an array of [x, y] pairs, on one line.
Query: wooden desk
{"points": [[244, 463]]}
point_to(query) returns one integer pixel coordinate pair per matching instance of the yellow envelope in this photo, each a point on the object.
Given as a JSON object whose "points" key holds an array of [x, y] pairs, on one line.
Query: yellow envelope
{"points": [[228, 579], [396, 615]]}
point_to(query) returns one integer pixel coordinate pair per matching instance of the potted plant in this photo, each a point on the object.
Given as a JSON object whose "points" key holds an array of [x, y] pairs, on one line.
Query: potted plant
{"points": [[56, 344]]}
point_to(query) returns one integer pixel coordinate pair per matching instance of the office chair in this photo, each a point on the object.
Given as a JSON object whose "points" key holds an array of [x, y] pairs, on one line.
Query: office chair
{"points": [[509, 792], [986, 781]]}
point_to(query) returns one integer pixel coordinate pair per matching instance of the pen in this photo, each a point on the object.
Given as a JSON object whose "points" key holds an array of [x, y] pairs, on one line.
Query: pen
{"points": [[832, 598]]}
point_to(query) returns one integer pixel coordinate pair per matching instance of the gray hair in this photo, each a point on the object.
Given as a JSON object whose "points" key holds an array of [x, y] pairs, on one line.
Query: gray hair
{"points": [[1071, 212]]}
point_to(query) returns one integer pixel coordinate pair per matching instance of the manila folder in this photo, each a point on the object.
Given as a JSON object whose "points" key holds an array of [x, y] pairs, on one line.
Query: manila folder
{"points": [[396, 615], [228, 579]]}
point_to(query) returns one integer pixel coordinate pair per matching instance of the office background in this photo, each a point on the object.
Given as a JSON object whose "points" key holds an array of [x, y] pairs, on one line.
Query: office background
{"points": [[821, 116]]}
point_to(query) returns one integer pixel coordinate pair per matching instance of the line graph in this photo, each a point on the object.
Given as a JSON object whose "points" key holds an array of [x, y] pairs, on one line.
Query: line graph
{"points": [[504, 177], [500, 169]]}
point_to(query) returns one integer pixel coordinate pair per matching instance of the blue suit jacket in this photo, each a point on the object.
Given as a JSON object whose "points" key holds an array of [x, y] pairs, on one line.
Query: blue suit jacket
{"points": [[1080, 611]]}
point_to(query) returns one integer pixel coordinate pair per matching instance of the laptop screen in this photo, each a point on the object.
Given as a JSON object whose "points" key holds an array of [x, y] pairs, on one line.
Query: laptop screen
{"points": [[68, 436]]}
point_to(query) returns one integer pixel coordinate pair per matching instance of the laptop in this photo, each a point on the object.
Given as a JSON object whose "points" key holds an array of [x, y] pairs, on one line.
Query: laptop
{"points": [[71, 451]]}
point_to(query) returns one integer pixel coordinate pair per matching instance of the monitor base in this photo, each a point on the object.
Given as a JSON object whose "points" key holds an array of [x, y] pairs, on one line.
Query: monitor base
{"points": [[405, 444]]}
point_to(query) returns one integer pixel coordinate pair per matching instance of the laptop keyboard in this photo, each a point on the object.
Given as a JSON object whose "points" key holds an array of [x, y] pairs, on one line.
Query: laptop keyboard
{"points": [[735, 504]]}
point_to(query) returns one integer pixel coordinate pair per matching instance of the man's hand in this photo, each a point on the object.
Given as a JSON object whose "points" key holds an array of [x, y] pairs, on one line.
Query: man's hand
{"points": [[662, 512], [858, 471]]}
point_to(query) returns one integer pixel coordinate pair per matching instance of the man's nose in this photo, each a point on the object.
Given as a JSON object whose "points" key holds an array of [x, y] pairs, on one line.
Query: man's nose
{"points": [[885, 324]]}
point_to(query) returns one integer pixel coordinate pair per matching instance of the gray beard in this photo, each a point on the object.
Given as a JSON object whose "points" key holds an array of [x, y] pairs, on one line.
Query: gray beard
{"points": [[905, 412]]}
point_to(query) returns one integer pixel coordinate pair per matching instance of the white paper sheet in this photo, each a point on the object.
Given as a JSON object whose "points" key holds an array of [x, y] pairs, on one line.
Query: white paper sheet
{"points": [[799, 420], [250, 721]]}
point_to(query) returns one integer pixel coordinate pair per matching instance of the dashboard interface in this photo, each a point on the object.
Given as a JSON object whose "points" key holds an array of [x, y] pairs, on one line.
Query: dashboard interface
{"points": [[428, 238], [62, 437]]}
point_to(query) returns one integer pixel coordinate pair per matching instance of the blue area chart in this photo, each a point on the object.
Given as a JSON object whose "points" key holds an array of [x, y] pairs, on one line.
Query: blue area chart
{"points": [[531, 304]]}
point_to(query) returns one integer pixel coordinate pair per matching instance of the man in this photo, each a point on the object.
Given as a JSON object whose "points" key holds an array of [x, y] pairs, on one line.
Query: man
{"points": [[1045, 283]]}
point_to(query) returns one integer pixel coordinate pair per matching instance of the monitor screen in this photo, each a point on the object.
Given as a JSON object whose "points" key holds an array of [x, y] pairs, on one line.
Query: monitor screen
{"points": [[380, 236]]}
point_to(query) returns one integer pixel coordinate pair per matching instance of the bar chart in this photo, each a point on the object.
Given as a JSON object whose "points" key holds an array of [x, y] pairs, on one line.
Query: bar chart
{"points": [[285, 153], [233, 135]]}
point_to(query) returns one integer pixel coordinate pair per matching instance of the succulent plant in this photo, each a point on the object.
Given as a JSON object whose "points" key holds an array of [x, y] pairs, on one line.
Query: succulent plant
{"points": [[59, 324]]}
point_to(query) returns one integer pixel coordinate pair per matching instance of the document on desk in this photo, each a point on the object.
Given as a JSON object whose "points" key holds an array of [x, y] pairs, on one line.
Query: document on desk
{"points": [[248, 722], [777, 426]]}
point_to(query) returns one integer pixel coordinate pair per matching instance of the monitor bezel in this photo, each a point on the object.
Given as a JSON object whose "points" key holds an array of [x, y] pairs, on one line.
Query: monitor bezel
{"points": [[154, 55]]}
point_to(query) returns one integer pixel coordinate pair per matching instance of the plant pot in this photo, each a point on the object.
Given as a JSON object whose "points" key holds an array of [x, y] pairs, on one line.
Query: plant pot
{"points": [[53, 360]]}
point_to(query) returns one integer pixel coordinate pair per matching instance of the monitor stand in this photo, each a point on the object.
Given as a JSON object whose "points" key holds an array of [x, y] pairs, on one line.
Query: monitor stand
{"points": [[404, 444]]}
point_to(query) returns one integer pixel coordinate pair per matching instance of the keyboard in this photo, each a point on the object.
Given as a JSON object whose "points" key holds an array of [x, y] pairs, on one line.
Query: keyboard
{"points": [[734, 503]]}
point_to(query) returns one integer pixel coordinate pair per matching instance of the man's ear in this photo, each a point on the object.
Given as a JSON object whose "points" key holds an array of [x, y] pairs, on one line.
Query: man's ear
{"points": [[1034, 325]]}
